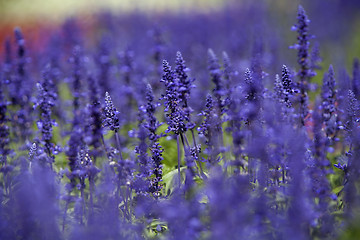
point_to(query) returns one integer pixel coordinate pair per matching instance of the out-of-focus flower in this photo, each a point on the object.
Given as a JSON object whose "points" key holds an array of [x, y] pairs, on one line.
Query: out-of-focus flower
{"points": [[305, 73]]}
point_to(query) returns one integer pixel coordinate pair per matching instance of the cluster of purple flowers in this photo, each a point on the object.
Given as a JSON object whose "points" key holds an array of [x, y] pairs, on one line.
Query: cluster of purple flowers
{"points": [[118, 144]]}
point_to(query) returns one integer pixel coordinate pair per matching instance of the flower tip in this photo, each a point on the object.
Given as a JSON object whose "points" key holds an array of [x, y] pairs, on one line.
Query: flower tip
{"points": [[301, 9], [39, 86], [211, 53], [17, 32], [178, 54]]}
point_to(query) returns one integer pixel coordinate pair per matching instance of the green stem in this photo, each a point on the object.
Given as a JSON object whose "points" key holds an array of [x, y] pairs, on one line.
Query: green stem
{"points": [[179, 158], [198, 155], [118, 144]]}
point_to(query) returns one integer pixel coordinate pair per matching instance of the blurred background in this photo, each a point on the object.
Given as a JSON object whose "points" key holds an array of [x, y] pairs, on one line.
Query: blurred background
{"points": [[333, 20], [335, 23]]}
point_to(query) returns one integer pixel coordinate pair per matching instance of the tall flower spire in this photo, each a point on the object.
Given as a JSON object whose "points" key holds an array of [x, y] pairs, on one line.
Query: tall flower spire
{"points": [[4, 129], [356, 77], [215, 74], [46, 101], [111, 120], [175, 115], [152, 124], [111, 114], [328, 95], [303, 58]]}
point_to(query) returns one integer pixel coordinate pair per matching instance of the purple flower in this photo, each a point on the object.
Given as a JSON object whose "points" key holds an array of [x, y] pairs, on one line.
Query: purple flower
{"points": [[141, 182], [104, 62], [158, 47], [356, 77], [329, 111], [152, 124], [76, 61], [303, 44], [20, 91], [287, 84], [185, 85], [351, 111], [76, 142], [252, 95], [21, 50], [22, 82], [209, 128], [32, 151], [315, 58], [176, 118], [156, 158], [318, 172], [95, 114], [215, 75], [305, 73], [111, 118], [8, 64], [45, 124], [278, 89], [228, 74], [127, 65], [4, 129]]}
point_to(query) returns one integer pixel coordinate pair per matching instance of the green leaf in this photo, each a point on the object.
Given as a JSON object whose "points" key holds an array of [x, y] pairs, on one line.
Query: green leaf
{"points": [[170, 179], [338, 189]]}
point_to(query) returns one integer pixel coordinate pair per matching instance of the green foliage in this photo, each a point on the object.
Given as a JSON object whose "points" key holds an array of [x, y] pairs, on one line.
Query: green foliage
{"points": [[171, 180], [352, 232], [156, 229], [170, 151]]}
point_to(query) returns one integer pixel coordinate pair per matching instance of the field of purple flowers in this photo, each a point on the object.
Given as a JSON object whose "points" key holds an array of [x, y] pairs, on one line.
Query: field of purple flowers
{"points": [[196, 127]]}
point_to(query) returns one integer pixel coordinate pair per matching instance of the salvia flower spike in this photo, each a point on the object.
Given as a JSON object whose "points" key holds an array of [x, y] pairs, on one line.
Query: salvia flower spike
{"points": [[305, 73]]}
